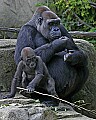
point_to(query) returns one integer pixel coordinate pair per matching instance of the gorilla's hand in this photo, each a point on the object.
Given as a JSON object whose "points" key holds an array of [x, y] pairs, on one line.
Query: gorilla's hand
{"points": [[64, 38], [30, 89], [68, 55], [60, 44], [74, 57]]}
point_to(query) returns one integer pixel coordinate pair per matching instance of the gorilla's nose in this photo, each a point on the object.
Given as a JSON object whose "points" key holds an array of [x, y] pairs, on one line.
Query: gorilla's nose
{"points": [[56, 29]]}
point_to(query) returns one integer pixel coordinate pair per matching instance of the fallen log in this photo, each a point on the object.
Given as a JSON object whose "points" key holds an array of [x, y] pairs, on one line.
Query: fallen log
{"points": [[5, 29], [83, 34]]}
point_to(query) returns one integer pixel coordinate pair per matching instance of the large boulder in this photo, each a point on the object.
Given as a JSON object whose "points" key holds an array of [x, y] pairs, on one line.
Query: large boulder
{"points": [[88, 92], [15, 13], [21, 108]]}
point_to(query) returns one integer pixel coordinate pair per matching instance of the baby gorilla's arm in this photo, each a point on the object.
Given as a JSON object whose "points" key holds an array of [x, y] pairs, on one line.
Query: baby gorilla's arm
{"points": [[17, 79], [38, 75]]}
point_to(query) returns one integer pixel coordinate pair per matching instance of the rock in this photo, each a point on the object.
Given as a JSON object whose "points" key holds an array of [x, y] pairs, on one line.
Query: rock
{"points": [[71, 115], [18, 110], [10, 113], [35, 111], [15, 13], [42, 114], [4, 43], [7, 65], [88, 92]]}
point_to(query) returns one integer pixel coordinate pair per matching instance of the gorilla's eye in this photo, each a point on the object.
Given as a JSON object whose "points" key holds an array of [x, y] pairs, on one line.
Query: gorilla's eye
{"points": [[50, 23], [28, 60], [54, 23], [57, 23], [33, 59]]}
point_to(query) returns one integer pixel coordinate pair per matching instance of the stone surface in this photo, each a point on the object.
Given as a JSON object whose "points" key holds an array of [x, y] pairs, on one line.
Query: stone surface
{"points": [[29, 109], [88, 93], [7, 65], [15, 13], [13, 113], [7, 43]]}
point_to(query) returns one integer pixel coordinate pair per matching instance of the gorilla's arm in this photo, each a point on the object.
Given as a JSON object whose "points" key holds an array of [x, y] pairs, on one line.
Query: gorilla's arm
{"points": [[38, 75], [47, 51], [25, 38], [16, 80], [77, 56], [64, 32]]}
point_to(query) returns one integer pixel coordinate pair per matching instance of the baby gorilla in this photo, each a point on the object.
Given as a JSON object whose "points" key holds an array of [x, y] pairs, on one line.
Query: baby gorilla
{"points": [[32, 73]]}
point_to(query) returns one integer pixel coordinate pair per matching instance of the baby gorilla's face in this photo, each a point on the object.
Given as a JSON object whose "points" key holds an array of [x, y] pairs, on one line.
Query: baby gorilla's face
{"points": [[31, 61], [28, 57]]}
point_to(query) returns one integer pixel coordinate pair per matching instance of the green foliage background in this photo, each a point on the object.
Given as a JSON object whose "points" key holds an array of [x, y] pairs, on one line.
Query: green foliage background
{"points": [[75, 14]]}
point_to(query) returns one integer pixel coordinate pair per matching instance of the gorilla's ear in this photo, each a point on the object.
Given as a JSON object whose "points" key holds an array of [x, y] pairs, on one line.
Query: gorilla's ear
{"points": [[39, 21]]}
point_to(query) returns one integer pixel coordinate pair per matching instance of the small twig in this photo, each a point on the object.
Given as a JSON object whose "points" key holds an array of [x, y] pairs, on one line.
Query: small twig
{"points": [[9, 29], [79, 109], [81, 21], [92, 4]]}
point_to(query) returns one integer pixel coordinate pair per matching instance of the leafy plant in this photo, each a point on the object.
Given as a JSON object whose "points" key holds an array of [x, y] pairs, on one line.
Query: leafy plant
{"points": [[75, 14]]}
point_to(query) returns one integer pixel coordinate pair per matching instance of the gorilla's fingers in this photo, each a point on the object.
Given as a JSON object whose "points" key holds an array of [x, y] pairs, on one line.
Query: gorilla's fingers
{"points": [[30, 89]]}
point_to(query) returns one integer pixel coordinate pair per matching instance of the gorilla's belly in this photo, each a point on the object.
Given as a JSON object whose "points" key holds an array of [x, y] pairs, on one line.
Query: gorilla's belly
{"points": [[62, 73]]}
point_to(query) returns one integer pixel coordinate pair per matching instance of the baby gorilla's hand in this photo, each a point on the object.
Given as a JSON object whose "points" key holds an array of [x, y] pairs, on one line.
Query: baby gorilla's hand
{"points": [[30, 89]]}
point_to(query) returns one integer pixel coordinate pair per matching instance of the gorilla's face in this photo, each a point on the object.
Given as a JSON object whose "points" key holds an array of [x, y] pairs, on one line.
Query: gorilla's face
{"points": [[49, 26], [28, 57], [30, 61]]}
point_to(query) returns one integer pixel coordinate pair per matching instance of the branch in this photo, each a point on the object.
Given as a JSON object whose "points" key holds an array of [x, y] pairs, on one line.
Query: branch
{"points": [[83, 34], [92, 4], [74, 33], [79, 109], [81, 21], [5, 29]]}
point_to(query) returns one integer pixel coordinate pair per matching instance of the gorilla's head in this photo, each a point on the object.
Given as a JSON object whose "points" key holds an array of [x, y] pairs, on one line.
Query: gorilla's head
{"points": [[48, 25], [28, 57]]}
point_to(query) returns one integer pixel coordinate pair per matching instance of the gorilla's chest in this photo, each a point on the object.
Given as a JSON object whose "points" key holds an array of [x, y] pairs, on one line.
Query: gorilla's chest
{"points": [[39, 40], [29, 71]]}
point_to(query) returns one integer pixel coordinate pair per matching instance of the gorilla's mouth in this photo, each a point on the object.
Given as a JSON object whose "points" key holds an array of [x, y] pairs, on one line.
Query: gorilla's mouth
{"points": [[32, 65], [53, 36], [57, 36]]}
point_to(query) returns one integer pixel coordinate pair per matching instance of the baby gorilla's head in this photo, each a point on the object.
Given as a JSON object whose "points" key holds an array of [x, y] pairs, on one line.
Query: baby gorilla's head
{"points": [[28, 56]]}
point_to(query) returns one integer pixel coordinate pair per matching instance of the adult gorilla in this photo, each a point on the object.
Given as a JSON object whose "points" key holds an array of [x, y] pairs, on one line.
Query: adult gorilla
{"points": [[66, 63]]}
